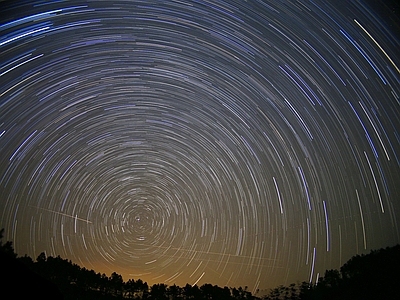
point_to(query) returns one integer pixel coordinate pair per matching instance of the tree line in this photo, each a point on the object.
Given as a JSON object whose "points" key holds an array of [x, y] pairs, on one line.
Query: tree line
{"points": [[371, 276]]}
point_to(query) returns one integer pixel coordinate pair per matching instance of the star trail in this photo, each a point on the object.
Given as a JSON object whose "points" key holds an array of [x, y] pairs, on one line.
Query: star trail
{"points": [[238, 143]]}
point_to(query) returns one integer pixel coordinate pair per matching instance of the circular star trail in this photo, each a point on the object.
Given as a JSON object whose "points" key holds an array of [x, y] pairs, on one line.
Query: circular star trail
{"points": [[230, 142]]}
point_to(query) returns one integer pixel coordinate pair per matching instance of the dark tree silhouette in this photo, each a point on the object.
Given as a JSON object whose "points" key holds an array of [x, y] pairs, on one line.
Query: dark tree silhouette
{"points": [[372, 276], [191, 292], [158, 291], [6, 249], [174, 292], [130, 289], [116, 284], [18, 279]]}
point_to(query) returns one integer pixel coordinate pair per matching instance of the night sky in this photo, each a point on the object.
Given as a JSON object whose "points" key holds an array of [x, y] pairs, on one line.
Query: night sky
{"points": [[228, 142]]}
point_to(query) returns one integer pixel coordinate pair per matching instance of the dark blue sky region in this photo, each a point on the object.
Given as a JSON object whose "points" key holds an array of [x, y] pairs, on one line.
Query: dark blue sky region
{"points": [[229, 142]]}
